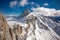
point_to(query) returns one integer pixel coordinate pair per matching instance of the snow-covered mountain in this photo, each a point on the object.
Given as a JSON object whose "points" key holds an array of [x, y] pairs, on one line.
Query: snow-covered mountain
{"points": [[30, 26], [37, 27], [25, 13]]}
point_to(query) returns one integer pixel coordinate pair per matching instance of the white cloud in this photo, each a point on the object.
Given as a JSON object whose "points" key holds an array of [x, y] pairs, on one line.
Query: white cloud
{"points": [[45, 4], [13, 3], [46, 11], [16, 3], [38, 5], [23, 2], [32, 3]]}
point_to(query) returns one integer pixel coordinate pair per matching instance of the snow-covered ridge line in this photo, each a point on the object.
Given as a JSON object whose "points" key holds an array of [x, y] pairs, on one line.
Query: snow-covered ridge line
{"points": [[38, 27], [34, 26]]}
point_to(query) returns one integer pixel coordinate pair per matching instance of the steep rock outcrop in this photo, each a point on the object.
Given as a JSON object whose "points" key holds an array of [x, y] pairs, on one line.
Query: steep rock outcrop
{"points": [[4, 29]]}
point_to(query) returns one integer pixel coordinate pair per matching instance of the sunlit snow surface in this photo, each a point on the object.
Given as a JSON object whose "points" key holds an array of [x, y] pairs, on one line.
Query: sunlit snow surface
{"points": [[45, 27]]}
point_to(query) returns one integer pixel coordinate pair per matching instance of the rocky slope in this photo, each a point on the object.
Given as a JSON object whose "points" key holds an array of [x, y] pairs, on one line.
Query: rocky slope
{"points": [[4, 29]]}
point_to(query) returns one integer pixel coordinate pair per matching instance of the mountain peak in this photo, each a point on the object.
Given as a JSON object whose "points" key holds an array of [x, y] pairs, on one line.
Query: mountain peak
{"points": [[25, 13]]}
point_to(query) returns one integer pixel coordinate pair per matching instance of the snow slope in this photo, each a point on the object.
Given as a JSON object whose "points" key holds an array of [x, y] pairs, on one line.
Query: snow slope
{"points": [[40, 27]]}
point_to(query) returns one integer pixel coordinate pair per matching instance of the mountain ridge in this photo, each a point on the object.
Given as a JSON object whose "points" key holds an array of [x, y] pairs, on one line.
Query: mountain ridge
{"points": [[33, 26]]}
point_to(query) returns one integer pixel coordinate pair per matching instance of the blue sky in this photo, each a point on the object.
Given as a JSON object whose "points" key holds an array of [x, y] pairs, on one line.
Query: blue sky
{"points": [[18, 6]]}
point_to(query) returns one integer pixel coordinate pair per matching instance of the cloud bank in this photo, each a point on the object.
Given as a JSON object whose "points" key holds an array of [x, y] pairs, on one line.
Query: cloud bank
{"points": [[46, 11], [22, 3]]}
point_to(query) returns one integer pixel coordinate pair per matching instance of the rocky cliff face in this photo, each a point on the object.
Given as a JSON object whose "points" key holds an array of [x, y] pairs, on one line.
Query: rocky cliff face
{"points": [[7, 33], [17, 32], [4, 29]]}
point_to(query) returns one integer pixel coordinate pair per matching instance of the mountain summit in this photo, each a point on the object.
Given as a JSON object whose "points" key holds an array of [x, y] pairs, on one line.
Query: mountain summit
{"points": [[25, 13]]}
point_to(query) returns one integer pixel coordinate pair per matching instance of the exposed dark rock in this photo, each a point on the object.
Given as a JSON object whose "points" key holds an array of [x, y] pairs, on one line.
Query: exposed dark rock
{"points": [[25, 13]]}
